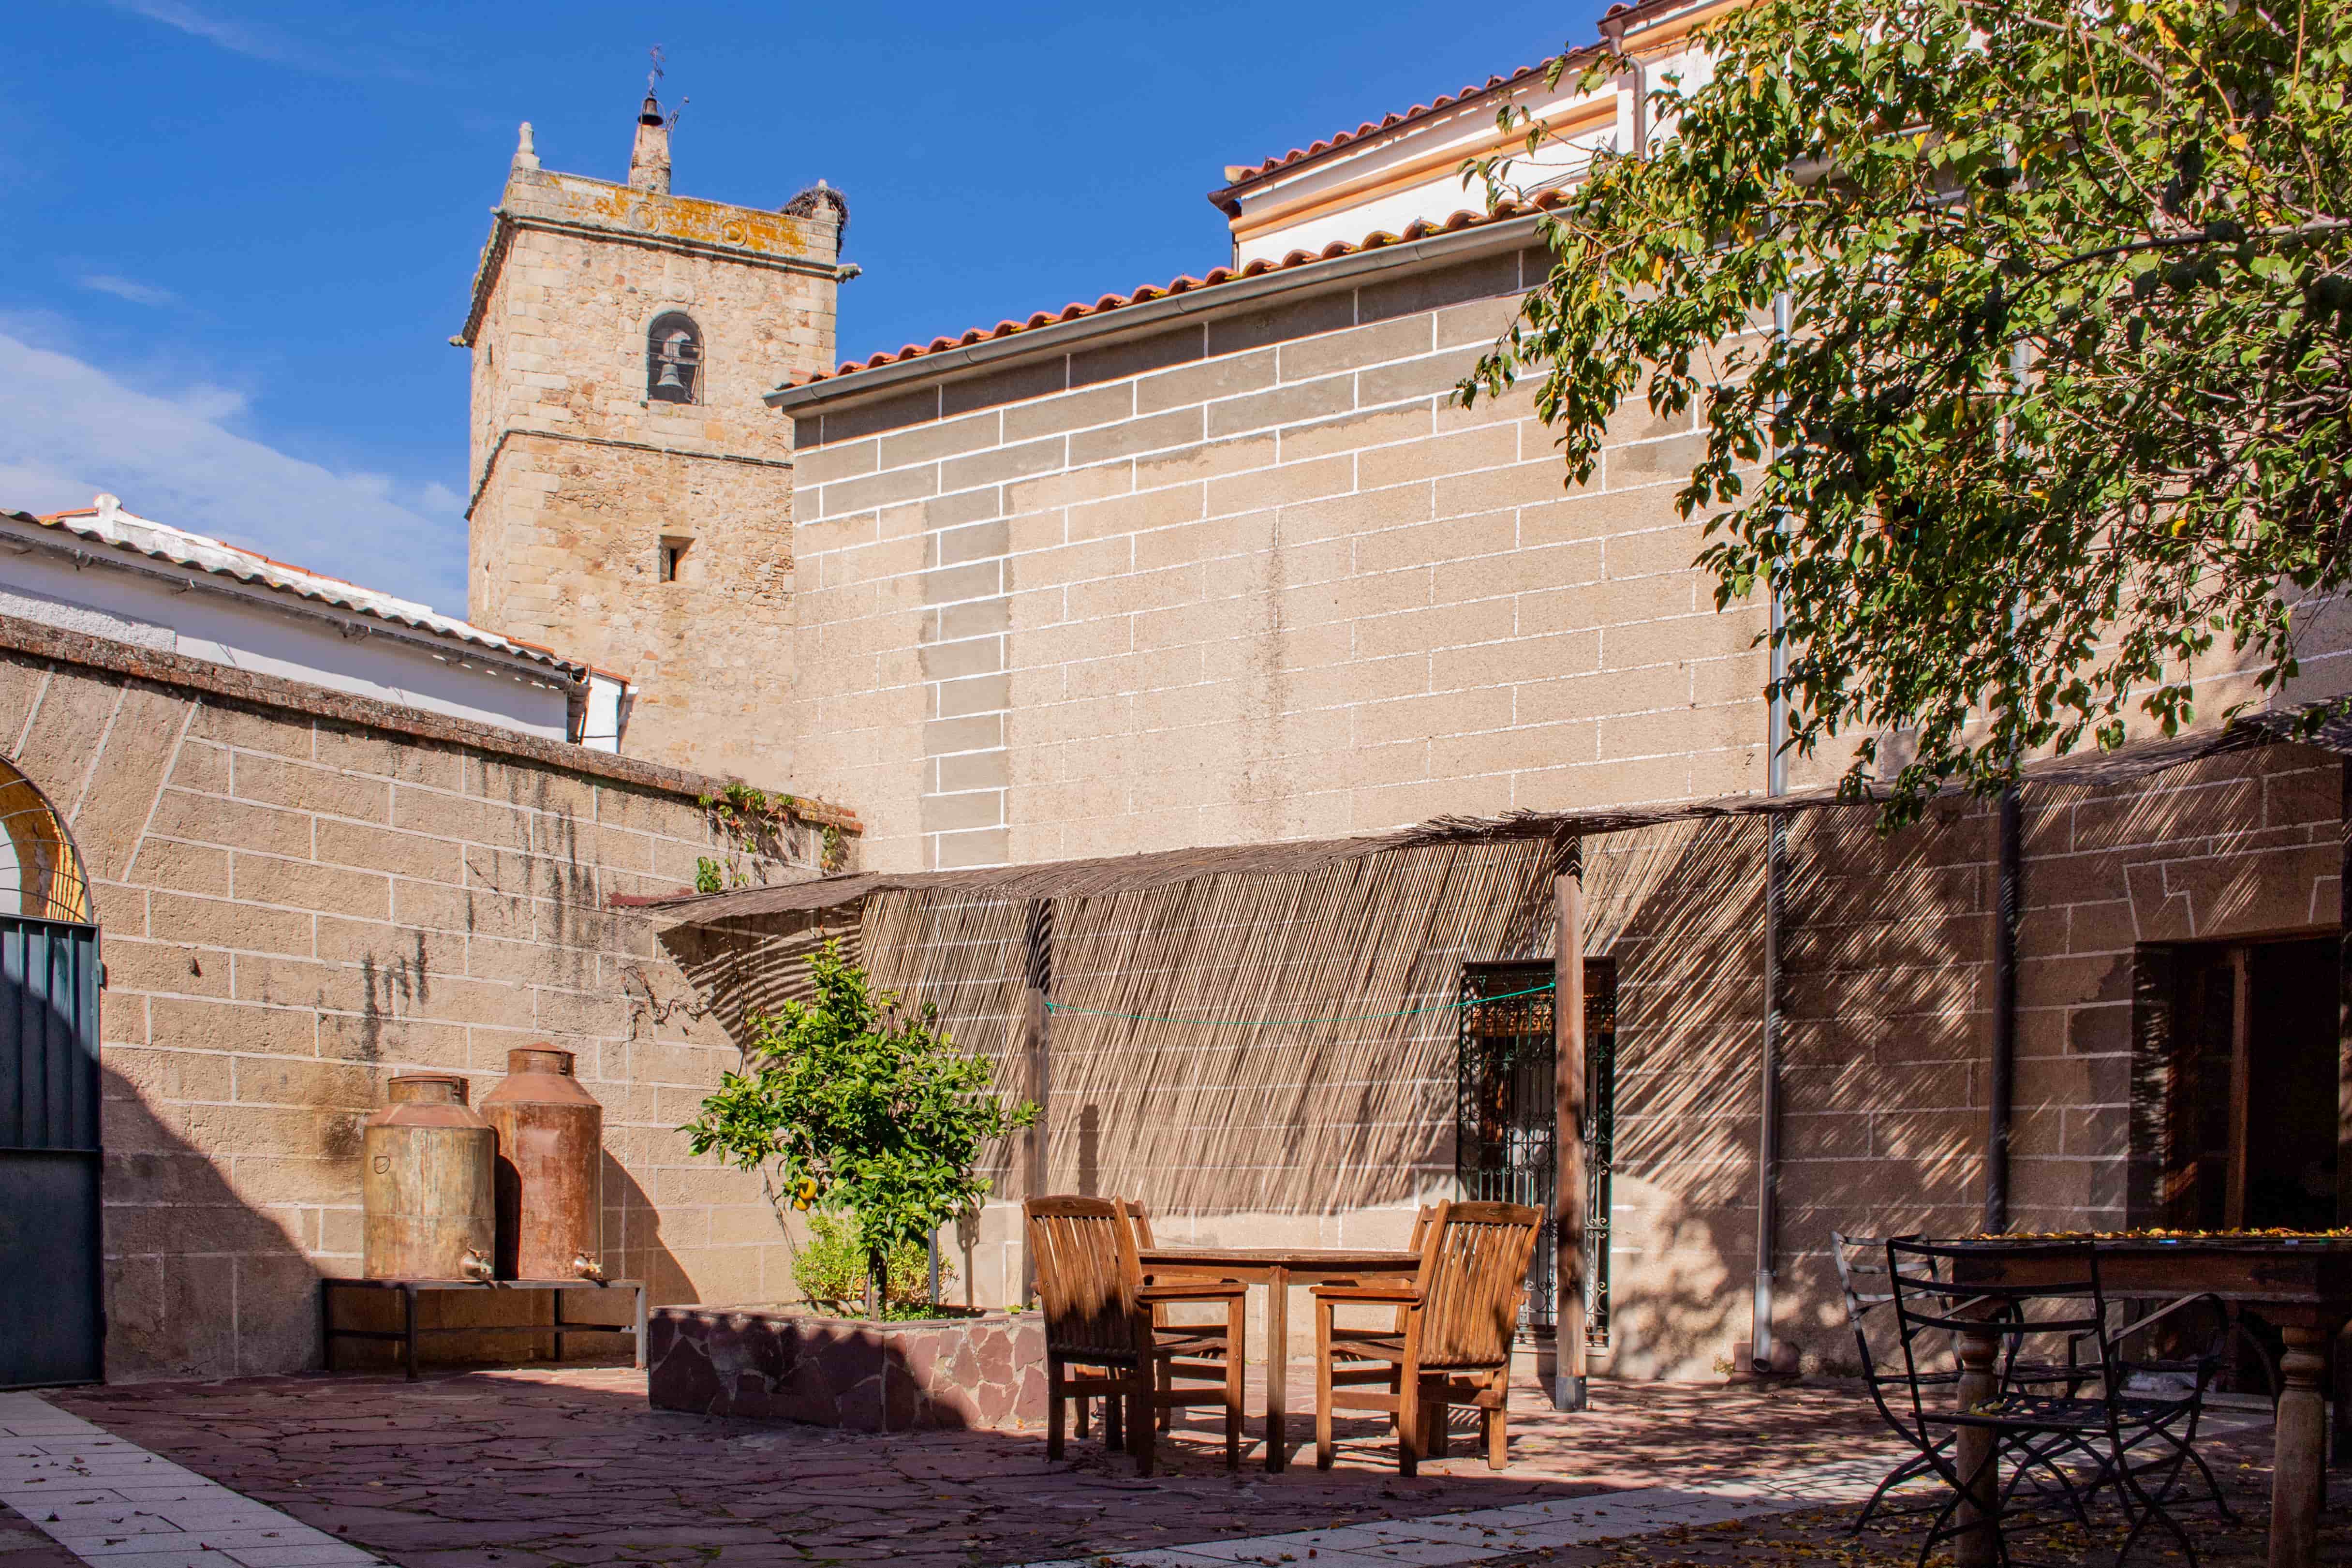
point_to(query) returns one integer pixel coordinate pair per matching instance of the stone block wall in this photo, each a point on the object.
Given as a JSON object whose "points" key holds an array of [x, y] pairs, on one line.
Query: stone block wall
{"points": [[303, 893], [1251, 577]]}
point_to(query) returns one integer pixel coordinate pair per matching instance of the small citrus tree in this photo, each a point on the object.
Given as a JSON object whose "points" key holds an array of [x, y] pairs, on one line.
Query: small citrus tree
{"points": [[854, 1105]]}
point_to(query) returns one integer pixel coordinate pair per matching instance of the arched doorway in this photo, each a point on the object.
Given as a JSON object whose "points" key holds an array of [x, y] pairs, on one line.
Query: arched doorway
{"points": [[51, 1273]]}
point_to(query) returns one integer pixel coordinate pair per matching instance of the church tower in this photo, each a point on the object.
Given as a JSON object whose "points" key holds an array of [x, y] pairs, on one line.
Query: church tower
{"points": [[632, 497]]}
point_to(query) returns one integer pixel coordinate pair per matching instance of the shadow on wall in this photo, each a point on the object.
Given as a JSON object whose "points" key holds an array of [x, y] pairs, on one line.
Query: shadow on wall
{"points": [[201, 1281], [1885, 997], [756, 965], [206, 1281]]}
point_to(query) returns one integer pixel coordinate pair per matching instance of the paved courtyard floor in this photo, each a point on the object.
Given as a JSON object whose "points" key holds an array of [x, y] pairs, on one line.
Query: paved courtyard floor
{"points": [[569, 1468]]}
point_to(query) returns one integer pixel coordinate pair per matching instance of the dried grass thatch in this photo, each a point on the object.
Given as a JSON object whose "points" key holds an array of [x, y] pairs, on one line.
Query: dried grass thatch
{"points": [[1134, 873]]}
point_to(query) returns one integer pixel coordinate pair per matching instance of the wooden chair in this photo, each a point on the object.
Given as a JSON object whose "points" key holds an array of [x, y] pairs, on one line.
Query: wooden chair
{"points": [[1099, 1333], [1214, 1345], [1450, 1342]]}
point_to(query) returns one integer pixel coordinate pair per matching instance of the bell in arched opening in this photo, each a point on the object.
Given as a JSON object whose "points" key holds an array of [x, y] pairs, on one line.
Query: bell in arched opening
{"points": [[673, 358]]}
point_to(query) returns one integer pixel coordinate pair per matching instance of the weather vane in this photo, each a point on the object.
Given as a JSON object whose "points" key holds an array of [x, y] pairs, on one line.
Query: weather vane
{"points": [[652, 77]]}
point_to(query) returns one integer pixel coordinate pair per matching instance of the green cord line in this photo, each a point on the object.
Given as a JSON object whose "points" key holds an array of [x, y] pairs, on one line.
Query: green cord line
{"points": [[1272, 1023]]}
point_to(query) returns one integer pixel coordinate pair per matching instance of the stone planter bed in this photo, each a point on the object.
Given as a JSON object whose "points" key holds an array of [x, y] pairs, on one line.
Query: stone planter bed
{"points": [[789, 1363]]}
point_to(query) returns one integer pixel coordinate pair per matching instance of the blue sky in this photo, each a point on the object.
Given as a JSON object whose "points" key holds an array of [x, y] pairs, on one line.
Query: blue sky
{"points": [[240, 232]]}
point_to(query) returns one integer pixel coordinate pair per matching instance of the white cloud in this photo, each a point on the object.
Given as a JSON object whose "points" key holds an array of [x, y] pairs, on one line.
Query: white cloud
{"points": [[69, 430], [260, 43], [127, 289]]}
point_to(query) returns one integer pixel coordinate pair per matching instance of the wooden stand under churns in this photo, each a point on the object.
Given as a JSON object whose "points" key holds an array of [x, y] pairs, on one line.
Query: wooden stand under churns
{"points": [[508, 1199], [408, 1333]]}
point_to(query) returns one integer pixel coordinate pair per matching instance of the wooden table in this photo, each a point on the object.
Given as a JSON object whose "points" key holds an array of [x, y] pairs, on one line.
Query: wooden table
{"points": [[1278, 1269], [2303, 1286], [408, 1333]]}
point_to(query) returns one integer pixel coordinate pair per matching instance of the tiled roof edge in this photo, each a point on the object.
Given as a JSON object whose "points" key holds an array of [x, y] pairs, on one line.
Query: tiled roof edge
{"points": [[1619, 15], [215, 558], [1216, 278]]}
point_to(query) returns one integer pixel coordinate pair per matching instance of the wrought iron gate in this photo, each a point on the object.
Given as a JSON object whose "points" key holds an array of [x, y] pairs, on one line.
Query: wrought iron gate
{"points": [[1504, 1135], [51, 1306]]}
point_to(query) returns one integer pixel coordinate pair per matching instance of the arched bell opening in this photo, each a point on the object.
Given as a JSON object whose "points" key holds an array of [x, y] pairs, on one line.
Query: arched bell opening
{"points": [[673, 359]]}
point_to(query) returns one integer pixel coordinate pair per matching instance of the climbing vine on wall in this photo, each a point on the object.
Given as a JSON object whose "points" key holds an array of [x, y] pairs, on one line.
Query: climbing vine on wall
{"points": [[750, 821]]}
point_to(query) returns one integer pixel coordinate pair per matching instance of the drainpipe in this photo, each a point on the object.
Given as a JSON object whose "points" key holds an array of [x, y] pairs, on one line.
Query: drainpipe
{"points": [[2001, 1093], [2004, 1090], [1768, 1118]]}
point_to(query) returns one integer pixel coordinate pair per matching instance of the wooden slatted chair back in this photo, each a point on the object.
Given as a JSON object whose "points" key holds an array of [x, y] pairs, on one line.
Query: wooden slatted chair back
{"points": [[1087, 1275], [1474, 1270]]}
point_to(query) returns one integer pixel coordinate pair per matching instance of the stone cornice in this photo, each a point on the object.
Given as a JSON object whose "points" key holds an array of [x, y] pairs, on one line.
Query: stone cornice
{"points": [[528, 431], [568, 204]]}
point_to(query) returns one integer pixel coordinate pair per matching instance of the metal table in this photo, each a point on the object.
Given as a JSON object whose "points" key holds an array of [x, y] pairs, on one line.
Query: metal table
{"points": [[1278, 1269], [408, 1333], [2304, 1286]]}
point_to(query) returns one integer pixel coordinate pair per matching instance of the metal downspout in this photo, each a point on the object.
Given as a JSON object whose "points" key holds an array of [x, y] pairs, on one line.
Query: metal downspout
{"points": [[2004, 1088], [1768, 1109], [2001, 1094]]}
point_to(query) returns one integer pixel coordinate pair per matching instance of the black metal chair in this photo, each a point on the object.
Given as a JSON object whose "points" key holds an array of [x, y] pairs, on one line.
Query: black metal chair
{"points": [[2037, 1431], [1862, 1277]]}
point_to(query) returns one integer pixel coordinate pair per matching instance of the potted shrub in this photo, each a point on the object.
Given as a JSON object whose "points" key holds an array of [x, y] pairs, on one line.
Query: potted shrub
{"points": [[853, 1105], [859, 1111]]}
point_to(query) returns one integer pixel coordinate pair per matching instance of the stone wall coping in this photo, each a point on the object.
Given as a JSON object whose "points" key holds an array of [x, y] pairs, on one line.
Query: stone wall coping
{"points": [[800, 1312], [37, 640]]}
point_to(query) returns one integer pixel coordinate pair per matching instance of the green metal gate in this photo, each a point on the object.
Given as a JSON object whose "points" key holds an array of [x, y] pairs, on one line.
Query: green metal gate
{"points": [[1505, 1119], [52, 1322]]}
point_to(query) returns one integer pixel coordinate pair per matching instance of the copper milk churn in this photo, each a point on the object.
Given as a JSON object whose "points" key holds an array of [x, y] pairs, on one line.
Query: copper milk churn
{"points": [[426, 1163], [551, 1136]]}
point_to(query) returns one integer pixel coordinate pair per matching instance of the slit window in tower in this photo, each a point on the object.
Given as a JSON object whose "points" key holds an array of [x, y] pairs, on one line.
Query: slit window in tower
{"points": [[673, 557], [673, 358]]}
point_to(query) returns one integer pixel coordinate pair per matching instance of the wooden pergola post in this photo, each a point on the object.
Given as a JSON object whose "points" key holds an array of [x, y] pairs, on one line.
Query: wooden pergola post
{"points": [[1568, 1388]]}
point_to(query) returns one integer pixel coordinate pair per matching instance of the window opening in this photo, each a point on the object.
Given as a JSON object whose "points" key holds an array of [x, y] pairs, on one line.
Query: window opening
{"points": [[2234, 1084], [673, 358], [1506, 1109], [673, 556]]}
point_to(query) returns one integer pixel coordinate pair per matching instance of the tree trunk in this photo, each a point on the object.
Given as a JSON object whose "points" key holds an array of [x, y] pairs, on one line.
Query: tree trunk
{"points": [[875, 1268]]}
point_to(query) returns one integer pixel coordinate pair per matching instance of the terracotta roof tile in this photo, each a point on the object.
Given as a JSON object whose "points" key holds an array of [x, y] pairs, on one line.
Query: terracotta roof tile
{"points": [[1417, 229], [105, 523], [1237, 176], [1341, 138]]}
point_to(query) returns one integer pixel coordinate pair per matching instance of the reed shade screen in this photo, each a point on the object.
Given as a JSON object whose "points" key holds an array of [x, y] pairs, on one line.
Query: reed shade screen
{"points": [[1266, 1102], [1127, 873], [755, 965]]}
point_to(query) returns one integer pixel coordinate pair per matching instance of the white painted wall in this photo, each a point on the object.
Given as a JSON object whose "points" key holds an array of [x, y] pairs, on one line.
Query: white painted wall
{"points": [[1384, 181], [174, 610]]}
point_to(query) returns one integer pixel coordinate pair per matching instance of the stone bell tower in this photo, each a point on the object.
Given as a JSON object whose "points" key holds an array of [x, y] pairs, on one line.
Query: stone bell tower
{"points": [[631, 495]]}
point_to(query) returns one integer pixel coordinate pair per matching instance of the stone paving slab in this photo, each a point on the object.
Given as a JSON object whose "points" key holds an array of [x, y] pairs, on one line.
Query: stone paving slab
{"points": [[23, 1544], [102, 1500], [570, 1468]]}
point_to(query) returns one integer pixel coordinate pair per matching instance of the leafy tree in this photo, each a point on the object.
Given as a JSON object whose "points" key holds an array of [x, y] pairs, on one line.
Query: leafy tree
{"points": [[2061, 407], [853, 1106]]}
